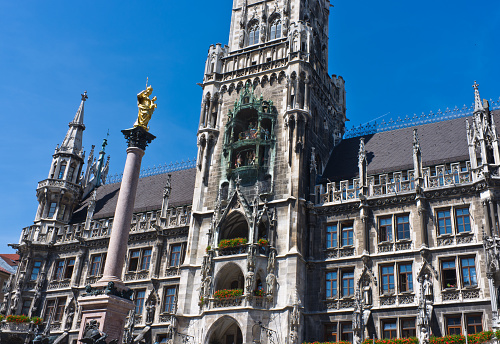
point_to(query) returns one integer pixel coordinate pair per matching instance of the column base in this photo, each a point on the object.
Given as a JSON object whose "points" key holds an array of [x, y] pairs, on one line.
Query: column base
{"points": [[109, 311]]}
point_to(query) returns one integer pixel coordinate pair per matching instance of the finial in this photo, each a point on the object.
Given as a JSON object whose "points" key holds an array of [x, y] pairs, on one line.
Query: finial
{"points": [[415, 136], [478, 105], [84, 96], [147, 79], [361, 145], [238, 180]]}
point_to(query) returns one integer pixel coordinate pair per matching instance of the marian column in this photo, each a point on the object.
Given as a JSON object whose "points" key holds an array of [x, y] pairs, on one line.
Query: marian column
{"points": [[106, 304]]}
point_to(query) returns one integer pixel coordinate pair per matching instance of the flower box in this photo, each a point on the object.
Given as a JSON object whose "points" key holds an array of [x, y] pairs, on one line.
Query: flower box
{"points": [[226, 243], [228, 293]]}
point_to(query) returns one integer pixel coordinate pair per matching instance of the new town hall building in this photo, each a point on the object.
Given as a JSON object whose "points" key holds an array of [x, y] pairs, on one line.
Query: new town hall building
{"points": [[311, 234]]}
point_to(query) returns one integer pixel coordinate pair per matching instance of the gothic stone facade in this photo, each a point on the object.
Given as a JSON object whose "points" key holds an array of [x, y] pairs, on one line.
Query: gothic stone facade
{"points": [[283, 232]]}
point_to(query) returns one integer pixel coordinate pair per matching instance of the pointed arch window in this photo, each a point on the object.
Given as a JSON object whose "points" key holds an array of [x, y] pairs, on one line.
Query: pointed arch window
{"points": [[71, 172], [275, 30], [253, 33], [62, 169]]}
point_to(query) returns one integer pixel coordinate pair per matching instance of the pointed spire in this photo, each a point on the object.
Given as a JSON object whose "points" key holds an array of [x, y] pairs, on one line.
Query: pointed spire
{"points": [[73, 139], [478, 105]]}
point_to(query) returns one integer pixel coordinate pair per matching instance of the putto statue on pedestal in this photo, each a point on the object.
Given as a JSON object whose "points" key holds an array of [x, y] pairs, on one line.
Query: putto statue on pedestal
{"points": [[146, 107]]}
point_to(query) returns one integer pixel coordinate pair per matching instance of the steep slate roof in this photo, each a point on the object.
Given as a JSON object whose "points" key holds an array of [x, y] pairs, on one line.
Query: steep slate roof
{"points": [[8, 262], [149, 195], [390, 151]]}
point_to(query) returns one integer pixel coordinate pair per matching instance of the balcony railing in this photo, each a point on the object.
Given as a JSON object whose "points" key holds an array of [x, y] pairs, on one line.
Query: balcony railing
{"points": [[226, 302], [394, 183]]}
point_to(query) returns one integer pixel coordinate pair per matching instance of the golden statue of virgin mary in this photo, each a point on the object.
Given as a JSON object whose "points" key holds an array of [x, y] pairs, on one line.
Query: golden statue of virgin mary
{"points": [[146, 108]]}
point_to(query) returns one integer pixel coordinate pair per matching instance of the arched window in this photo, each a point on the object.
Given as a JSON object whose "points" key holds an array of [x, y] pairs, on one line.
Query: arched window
{"points": [[253, 33], [61, 170], [71, 172], [275, 28]]}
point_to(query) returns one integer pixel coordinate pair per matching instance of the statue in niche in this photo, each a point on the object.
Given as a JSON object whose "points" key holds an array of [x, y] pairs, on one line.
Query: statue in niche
{"points": [[271, 261], [249, 283], [270, 283], [265, 134], [251, 158], [427, 287], [15, 301], [3, 309], [70, 313], [36, 299], [367, 293], [239, 160], [206, 285], [242, 38], [20, 281], [150, 311], [146, 108]]}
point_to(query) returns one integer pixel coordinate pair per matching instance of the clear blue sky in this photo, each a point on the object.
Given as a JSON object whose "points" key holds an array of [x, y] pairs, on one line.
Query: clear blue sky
{"points": [[397, 57]]}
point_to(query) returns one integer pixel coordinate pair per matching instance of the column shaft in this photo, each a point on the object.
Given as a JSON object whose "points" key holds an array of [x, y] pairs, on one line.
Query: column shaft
{"points": [[118, 240]]}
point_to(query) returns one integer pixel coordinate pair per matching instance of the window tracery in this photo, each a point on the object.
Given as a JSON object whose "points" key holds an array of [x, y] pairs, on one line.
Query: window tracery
{"points": [[253, 33], [275, 28]]}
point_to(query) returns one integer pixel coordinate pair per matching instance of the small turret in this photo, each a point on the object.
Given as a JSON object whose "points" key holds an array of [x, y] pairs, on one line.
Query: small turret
{"points": [[61, 191]]}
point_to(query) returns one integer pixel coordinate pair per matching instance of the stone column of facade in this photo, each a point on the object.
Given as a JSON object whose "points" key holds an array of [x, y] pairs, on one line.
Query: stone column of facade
{"points": [[486, 218], [108, 301], [494, 303]]}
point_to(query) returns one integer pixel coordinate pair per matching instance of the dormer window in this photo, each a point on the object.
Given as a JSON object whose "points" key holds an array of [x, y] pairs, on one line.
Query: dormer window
{"points": [[275, 29], [253, 34]]}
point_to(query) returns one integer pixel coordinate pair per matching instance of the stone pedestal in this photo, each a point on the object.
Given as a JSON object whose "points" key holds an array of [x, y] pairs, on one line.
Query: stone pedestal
{"points": [[109, 311]]}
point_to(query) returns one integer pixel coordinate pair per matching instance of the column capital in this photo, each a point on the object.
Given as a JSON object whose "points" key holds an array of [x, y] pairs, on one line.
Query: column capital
{"points": [[138, 137]]}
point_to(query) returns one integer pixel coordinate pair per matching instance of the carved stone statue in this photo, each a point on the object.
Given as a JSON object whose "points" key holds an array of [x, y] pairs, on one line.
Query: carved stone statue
{"points": [[242, 38], [367, 295], [70, 313], [92, 335], [272, 261], [20, 281], [8, 285], [251, 259], [128, 337], [36, 300], [150, 310], [15, 301], [3, 309], [206, 286], [146, 108], [356, 316], [270, 283], [249, 283], [427, 287], [424, 336]]}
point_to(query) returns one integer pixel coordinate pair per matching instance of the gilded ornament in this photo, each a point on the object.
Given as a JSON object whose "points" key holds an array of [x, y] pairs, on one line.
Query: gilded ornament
{"points": [[146, 108]]}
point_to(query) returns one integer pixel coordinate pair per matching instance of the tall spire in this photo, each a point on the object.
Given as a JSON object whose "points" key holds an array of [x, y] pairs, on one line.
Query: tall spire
{"points": [[478, 105], [73, 140]]}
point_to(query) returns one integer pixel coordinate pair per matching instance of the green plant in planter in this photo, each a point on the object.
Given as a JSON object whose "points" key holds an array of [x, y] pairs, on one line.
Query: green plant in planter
{"points": [[225, 243], [228, 293], [36, 320], [263, 242], [259, 292], [19, 319]]}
